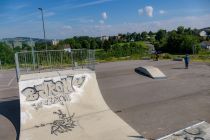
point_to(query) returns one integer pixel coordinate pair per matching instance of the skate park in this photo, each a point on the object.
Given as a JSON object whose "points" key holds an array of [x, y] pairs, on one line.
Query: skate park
{"points": [[143, 107]]}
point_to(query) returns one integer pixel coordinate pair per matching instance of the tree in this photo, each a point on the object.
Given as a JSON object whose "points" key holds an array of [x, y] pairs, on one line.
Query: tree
{"points": [[150, 33], [160, 35], [180, 30], [26, 47], [93, 44], [106, 45], [85, 44], [17, 49], [6, 54], [144, 35]]}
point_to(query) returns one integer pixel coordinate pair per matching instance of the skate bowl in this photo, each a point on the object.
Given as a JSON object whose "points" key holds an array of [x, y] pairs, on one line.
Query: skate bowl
{"points": [[64, 105], [151, 71]]}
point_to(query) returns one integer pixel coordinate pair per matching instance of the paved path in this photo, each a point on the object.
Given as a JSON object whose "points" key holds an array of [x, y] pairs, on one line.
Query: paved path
{"points": [[156, 107]]}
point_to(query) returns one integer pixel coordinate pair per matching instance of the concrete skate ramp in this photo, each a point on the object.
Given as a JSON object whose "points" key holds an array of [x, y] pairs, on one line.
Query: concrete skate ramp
{"points": [[151, 71], [199, 131], [68, 105]]}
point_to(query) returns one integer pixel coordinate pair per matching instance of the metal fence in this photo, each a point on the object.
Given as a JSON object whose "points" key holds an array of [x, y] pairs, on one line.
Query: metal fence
{"points": [[50, 60]]}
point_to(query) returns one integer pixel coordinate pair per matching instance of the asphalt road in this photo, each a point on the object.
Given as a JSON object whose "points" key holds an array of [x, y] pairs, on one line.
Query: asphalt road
{"points": [[156, 107]]}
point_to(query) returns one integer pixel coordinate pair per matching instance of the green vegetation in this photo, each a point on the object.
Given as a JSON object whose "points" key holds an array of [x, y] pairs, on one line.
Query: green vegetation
{"points": [[6, 54], [123, 51], [171, 44], [181, 41]]}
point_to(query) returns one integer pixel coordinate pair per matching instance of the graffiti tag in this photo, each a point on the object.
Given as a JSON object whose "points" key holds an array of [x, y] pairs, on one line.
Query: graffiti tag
{"points": [[50, 92], [187, 134], [62, 125]]}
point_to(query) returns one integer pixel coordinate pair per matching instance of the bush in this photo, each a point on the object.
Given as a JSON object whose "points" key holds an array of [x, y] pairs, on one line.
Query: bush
{"points": [[166, 56]]}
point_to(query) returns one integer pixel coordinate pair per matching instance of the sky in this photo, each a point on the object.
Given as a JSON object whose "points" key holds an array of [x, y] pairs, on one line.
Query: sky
{"points": [[68, 18]]}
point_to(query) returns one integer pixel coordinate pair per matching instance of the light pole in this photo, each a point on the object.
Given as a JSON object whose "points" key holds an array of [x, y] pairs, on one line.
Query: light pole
{"points": [[43, 27]]}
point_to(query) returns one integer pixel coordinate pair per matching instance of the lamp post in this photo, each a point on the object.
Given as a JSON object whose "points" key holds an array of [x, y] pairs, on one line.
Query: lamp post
{"points": [[43, 27]]}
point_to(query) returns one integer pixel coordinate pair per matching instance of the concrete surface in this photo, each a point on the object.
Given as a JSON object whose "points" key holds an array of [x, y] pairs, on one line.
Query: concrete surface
{"points": [[151, 71], [152, 108], [156, 108], [68, 105]]}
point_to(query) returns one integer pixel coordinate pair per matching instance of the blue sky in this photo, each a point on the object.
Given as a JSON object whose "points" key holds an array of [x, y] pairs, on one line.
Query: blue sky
{"points": [[67, 18]]}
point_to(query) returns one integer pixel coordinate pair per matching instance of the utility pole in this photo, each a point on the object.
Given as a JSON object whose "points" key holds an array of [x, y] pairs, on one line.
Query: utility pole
{"points": [[43, 27]]}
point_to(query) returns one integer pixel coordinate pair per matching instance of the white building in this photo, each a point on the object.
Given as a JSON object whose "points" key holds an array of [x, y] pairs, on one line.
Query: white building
{"points": [[203, 34], [103, 38], [17, 44], [55, 42]]}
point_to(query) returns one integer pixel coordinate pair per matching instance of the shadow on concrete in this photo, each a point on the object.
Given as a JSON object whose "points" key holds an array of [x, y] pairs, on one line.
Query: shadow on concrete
{"points": [[140, 73], [139, 137], [11, 110], [178, 68]]}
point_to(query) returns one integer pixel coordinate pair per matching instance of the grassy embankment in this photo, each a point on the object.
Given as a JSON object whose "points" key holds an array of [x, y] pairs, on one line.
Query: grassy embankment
{"points": [[123, 51], [109, 56]]}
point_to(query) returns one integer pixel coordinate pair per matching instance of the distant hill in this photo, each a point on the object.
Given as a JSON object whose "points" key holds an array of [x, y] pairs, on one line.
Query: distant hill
{"points": [[25, 39]]}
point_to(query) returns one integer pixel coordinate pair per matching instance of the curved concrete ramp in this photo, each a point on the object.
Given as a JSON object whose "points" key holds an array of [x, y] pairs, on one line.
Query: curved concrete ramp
{"points": [[68, 105], [152, 72]]}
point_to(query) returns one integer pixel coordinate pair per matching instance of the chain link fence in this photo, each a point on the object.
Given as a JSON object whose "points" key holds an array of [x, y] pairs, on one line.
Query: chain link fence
{"points": [[50, 60]]}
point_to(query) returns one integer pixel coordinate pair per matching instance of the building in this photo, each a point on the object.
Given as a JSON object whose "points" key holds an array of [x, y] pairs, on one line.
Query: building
{"points": [[55, 42], [103, 38], [67, 48], [17, 44], [205, 45], [203, 34]]}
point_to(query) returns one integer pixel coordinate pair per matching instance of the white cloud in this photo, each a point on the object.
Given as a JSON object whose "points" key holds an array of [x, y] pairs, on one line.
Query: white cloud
{"points": [[104, 15], [162, 12], [68, 27], [81, 20], [58, 30], [49, 14], [101, 21], [140, 11], [18, 7], [87, 4], [149, 10]]}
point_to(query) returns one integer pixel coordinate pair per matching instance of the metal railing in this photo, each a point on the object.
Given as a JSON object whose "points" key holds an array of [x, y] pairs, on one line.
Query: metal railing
{"points": [[50, 60]]}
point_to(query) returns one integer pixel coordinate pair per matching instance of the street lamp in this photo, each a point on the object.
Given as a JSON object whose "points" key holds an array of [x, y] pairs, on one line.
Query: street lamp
{"points": [[43, 27]]}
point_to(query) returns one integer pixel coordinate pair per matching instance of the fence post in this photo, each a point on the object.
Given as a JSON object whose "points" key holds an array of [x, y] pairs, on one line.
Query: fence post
{"points": [[50, 60], [94, 60], [17, 68], [0, 65], [72, 59], [33, 57]]}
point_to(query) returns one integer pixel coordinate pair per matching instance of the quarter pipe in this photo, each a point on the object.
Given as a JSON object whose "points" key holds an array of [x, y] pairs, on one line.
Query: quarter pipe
{"points": [[68, 105]]}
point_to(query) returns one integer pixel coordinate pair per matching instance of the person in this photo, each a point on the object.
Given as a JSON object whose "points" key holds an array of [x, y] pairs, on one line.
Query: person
{"points": [[156, 56], [186, 61]]}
